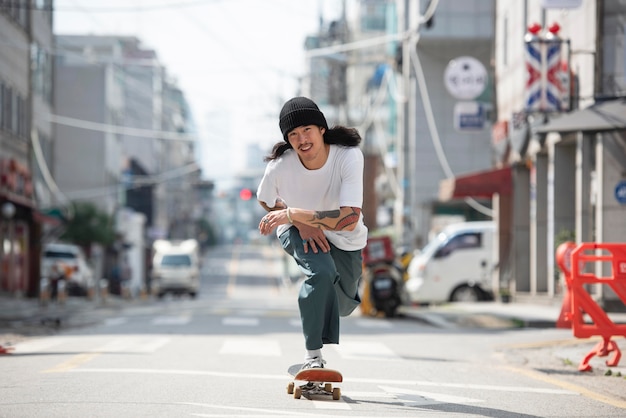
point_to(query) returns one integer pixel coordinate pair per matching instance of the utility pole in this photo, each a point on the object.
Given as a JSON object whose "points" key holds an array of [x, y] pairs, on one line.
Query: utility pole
{"points": [[408, 15]]}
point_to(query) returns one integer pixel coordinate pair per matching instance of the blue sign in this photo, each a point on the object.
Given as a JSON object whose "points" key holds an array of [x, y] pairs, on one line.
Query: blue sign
{"points": [[469, 116], [620, 192]]}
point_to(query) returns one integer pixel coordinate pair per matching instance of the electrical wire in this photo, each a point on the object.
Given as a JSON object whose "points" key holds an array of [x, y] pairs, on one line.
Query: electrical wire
{"points": [[47, 176], [434, 133], [116, 129]]}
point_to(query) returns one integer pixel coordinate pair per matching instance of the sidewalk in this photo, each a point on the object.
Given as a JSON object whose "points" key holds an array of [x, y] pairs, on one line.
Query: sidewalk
{"points": [[486, 315], [27, 316]]}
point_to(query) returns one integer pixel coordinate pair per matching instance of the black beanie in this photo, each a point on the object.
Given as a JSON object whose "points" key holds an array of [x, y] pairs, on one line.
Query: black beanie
{"points": [[300, 111]]}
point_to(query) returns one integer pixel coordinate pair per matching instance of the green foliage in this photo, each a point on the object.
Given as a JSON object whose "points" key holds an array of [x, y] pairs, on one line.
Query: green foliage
{"points": [[89, 225], [564, 235]]}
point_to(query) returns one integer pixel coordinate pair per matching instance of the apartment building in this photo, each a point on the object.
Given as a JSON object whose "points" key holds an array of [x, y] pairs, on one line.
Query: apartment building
{"points": [[26, 50]]}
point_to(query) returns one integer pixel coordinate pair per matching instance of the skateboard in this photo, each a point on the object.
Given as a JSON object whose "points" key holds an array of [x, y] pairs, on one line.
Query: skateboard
{"points": [[319, 381]]}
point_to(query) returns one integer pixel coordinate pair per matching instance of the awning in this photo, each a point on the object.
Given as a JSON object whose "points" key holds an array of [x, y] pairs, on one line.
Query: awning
{"points": [[600, 117], [52, 217], [480, 184]]}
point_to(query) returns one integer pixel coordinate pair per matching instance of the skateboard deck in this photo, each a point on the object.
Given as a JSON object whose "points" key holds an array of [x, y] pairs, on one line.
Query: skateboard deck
{"points": [[318, 382]]}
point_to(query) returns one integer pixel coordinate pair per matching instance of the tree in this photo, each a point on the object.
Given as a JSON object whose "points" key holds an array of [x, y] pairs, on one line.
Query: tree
{"points": [[89, 225]]}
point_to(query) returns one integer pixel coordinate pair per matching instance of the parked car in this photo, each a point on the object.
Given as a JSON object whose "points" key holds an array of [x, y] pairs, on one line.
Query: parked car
{"points": [[175, 267], [457, 265], [79, 276]]}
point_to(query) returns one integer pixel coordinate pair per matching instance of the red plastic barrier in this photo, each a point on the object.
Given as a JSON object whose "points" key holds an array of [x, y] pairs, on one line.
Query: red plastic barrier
{"points": [[5, 350], [563, 260], [582, 303]]}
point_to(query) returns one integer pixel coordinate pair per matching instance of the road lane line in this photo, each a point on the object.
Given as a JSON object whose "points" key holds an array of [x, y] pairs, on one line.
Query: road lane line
{"points": [[340, 405], [245, 409], [285, 377], [72, 363]]}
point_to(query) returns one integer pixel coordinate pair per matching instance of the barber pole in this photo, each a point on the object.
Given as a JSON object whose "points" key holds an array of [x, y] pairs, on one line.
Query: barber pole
{"points": [[548, 81], [554, 89], [533, 66]]}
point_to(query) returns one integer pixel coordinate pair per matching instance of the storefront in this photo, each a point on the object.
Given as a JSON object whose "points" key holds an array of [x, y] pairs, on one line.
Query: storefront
{"points": [[18, 228]]}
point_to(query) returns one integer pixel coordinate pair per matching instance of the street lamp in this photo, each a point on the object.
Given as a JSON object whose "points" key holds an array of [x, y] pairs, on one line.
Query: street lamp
{"points": [[8, 210]]}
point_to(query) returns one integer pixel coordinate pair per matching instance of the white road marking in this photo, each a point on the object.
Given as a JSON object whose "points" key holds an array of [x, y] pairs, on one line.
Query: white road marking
{"points": [[334, 405], [237, 321], [36, 346], [172, 320], [133, 345], [110, 322], [366, 350], [419, 398], [374, 323], [264, 412], [295, 323], [251, 347], [284, 377]]}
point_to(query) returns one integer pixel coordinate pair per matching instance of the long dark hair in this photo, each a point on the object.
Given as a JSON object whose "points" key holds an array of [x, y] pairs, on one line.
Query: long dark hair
{"points": [[337, 135]]}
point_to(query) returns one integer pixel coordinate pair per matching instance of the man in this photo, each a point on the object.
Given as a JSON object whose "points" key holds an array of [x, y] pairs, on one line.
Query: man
{"points": [[313, 191]]}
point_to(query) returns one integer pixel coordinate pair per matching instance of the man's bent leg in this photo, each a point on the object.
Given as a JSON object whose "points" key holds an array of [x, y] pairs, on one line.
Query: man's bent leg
{"points": [[317, 298], [350, 267]]}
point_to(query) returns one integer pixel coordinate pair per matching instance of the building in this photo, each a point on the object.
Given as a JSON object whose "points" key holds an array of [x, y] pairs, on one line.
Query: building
{"points": [[560, 136], [416, 133], [131, 126], [25, 138]]}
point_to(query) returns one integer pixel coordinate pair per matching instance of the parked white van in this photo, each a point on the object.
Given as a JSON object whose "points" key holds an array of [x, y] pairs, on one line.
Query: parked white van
{"points": [[175, 267], [456, 265]]}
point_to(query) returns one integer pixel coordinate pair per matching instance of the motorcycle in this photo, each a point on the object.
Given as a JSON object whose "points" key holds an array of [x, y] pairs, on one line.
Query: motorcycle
{"points": [[384, 282]]}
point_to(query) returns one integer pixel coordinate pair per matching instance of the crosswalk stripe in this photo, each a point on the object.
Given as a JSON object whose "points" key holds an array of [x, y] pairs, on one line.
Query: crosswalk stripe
{"points": [[251, 346], [172, 320], [134, 345], [240, 321], [365, 350], [111, 322]]}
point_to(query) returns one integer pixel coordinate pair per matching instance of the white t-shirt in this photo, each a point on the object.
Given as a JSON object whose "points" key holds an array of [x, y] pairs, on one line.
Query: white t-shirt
{"points": [[338, 183]]}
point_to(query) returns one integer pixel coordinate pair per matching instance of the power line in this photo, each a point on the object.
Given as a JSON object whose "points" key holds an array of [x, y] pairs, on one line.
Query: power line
{"points": [[116, 129]]}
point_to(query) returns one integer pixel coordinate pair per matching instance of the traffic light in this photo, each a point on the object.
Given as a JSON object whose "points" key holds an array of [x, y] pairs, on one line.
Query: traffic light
{"points": [[245, 194]]}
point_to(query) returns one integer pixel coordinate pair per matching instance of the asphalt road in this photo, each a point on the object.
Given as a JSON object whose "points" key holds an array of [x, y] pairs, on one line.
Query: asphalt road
{"points": [[226, 354]]}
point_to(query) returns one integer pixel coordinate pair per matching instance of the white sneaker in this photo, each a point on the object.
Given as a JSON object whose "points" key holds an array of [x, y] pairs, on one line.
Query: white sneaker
{"points": [[314, 363]]}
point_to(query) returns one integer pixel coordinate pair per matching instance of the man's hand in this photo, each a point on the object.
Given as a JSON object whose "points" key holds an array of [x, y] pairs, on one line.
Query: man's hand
{"points": [[313, 238]]}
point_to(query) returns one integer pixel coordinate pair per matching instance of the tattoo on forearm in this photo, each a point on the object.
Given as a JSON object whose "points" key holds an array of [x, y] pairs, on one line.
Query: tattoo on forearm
{"points": [[343, 223], [327, 214]]}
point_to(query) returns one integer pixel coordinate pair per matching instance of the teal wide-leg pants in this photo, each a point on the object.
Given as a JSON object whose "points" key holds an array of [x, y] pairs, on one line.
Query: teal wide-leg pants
{"points": [[331, 288]]}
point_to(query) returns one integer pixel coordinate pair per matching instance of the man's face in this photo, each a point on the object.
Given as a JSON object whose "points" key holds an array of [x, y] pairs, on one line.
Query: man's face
{"points": [[308, 141]]}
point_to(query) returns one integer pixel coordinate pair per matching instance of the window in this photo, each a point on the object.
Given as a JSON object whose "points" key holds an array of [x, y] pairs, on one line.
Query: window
{"points": [[460, 242], [41, 66], [373, 15], [176, 260]]}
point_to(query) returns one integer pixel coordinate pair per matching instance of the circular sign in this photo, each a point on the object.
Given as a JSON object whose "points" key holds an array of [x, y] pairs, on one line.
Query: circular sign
{"points": [[465, 78], [620, 192]]}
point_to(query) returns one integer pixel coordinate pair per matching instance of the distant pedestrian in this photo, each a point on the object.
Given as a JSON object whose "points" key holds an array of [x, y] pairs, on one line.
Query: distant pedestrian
{"points": [[313, 191]]}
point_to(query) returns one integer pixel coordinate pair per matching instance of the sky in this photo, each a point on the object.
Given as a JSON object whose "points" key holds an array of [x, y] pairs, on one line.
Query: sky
{"points": [[237, 61]]}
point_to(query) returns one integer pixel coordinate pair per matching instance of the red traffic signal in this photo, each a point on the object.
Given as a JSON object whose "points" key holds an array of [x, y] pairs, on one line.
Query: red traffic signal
{"points": [[245, 194]]}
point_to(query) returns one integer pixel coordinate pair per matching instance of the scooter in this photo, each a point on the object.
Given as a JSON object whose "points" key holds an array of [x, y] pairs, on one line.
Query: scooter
{"points": [[384, 281], [386, 286]]}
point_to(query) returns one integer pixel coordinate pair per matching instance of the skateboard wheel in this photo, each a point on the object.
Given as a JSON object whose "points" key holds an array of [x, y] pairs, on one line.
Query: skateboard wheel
{"points": [[297, 393], [328, 387], [290, 387], [336, 394]]}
